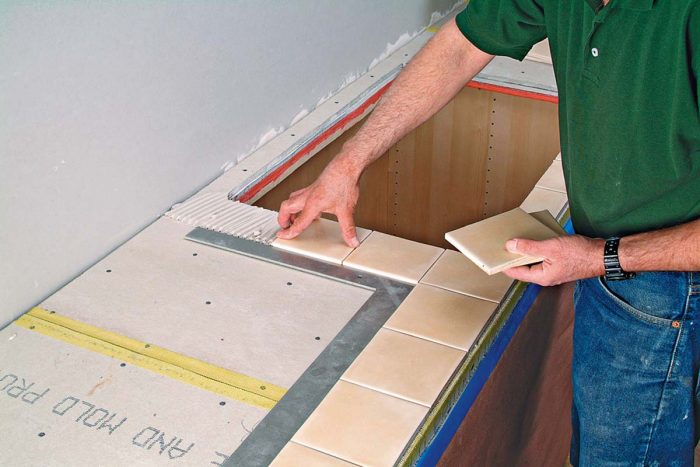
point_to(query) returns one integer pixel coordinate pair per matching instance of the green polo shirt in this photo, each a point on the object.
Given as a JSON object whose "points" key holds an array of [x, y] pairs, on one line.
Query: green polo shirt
{"points": [[628, 76]]}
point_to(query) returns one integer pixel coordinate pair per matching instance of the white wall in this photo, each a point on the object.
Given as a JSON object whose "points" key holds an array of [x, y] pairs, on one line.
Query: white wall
{"points": [[112, 111]]}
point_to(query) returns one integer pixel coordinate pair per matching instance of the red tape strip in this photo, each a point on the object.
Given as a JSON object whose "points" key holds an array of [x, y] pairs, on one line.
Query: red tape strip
{"points": [[275, 174], [514, 92]]}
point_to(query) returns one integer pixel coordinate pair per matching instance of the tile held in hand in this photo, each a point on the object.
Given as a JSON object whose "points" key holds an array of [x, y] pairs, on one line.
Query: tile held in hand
{"points": [[484, 242]]}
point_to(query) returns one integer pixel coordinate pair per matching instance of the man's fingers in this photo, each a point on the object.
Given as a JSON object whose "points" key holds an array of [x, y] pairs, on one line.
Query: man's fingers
{"points": [[526, 273], [288, 209], [300, 224], [347, 228]]}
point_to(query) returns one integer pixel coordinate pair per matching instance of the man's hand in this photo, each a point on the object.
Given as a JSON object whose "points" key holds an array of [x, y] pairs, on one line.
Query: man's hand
{"points": [[335, 191], [565, 259]]}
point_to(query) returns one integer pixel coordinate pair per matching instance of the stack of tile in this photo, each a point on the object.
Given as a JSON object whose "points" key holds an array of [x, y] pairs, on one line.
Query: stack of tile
{"points": [[549, 192]]}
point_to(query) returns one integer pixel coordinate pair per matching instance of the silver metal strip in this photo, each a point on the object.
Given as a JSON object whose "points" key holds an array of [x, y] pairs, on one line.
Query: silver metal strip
{"points": [[236, 193], [526, 75], [283, 421], [515, 85]]}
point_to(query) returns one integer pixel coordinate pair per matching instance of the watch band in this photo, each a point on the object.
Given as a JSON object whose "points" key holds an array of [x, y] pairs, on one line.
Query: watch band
{"points": [[611, 261]]}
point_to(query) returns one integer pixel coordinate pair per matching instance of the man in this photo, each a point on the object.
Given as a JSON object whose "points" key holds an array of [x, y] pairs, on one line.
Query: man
{"points": [[628, 73]]}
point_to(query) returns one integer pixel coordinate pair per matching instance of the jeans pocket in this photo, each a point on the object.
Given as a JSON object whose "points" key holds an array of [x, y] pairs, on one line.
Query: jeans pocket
{"points": [[662, 317]]}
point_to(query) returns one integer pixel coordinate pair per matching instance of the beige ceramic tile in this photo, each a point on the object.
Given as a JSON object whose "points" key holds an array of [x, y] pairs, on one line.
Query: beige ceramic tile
{"points": [[456, 272], [484, 242], [553, 178], [540, 199], [547, 219], [393, 257], [322, 240], [296, 455], [361, 425], [442, 316], [404, 366]]}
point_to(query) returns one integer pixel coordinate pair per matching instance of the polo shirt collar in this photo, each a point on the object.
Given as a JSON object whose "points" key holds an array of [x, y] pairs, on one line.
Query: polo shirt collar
{"points": [[640, 5]]}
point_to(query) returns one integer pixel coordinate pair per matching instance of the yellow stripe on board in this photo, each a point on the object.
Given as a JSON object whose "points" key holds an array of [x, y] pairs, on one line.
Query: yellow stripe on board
{"points": [[433, 29], [189, 370]]}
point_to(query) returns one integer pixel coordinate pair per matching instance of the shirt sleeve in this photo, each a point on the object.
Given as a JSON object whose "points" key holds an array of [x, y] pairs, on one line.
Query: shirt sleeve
{"points": [[503, 27]]}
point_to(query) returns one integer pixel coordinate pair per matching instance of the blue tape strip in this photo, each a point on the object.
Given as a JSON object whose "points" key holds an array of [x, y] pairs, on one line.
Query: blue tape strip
{"points": [[437, 446], [569, 227]]}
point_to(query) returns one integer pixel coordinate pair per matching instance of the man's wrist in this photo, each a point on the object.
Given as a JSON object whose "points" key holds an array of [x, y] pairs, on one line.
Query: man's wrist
{"points": [[597, 252], [611, 259], [346, 165]]}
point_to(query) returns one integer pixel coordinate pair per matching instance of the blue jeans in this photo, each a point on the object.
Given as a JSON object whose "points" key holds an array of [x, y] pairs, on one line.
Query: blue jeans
{"points": [[635, 370]]}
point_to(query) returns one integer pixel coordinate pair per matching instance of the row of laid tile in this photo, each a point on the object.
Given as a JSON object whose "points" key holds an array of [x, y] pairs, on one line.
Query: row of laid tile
{"points": [[378, 253], [370, 415], [296, 455], [407, 364], [322, 240], [406, 260]]}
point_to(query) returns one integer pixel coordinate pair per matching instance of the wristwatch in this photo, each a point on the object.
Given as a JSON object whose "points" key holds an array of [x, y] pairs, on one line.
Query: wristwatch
{"points": [[613, 270]]}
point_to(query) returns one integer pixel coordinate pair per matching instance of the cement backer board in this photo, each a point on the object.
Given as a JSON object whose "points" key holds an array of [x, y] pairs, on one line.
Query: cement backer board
{"points": [[255, 323], [147, 408]]}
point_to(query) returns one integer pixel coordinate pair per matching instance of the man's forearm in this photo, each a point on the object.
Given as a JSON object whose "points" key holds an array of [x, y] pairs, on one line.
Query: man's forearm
{"points": [[673, 249], [429, 81]]}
